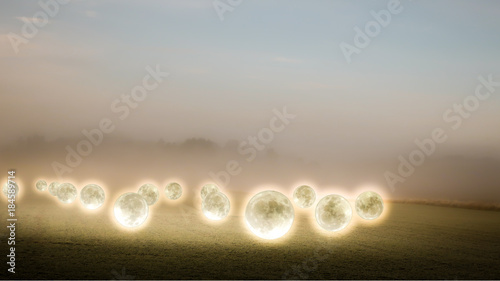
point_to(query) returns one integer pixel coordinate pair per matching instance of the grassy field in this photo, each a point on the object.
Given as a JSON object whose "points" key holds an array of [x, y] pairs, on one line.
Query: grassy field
{"points": [[410, 242]]}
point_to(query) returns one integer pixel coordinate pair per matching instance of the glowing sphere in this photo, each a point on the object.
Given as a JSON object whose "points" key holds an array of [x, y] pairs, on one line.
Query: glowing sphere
{"points": [[67, 193], [207, 189], [333, 212], [149, 192], [131, 209], [369, 205], [173, 191], [5, 188], [53, 188], [269, 214], [92, 196], [304, 196], [41, 185], [215, 206]]}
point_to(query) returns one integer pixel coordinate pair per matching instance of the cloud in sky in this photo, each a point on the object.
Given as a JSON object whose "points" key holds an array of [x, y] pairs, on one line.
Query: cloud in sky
{"points": [[91, 13], [29, 19], [286, 60]]}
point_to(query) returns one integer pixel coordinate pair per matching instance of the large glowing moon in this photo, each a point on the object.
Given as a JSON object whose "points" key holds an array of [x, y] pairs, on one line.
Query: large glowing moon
{"points": [[369, 205], [67, 193], [149, 192], [304, 196], [5, 188], [173, 191], [333, 212], [215, 206], [207, 189], [131, 209], [269, 214], [41, 185], [92, 196], [53, 188]]}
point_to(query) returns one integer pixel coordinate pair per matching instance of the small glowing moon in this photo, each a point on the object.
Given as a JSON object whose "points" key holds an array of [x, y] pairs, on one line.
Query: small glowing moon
{"points": [[333, 212], [149, 192], [67, 193], [5, 188], [92, 196], [269, 214], [131, 209], [53, 188], [173, 191], [304, 196], [369, 205], [208, 188], [41, 185], [215, 206]]}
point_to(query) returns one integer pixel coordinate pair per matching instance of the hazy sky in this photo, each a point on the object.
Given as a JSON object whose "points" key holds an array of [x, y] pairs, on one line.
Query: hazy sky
{"points": [[227, 76]]}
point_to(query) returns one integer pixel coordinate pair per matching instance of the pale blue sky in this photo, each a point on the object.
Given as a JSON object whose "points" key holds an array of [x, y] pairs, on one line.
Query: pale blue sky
{"points": [[227, 76]]}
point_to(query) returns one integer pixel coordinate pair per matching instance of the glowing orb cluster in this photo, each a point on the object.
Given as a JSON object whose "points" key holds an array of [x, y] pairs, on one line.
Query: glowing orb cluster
{"points": [[333, 212], [369, 205], [304, 196], [5, 188], [53, 188], [150, 193], [215, 206], [173, 191], [67, 193], [131, 209], [92, 196], [41, 185], [269, 214], [207, 189]]}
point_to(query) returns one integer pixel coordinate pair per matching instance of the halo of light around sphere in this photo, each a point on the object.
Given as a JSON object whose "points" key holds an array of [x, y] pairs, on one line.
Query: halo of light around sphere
{"points": [[304, 196], [269, 214], [215, 206], [333, 212], [53, 188], [92, 196], [5, 188], [41, 185], [369, 205], [131, 209], [149, 192], [67, 193], [173, 191], [207, 189]]}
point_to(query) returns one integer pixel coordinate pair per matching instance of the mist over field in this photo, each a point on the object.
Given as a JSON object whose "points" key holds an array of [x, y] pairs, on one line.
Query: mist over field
{"points": [[121, 166]]}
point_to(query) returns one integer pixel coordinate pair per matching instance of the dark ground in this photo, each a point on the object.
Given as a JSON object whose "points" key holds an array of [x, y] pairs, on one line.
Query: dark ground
{"points": [[409, 242]]}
